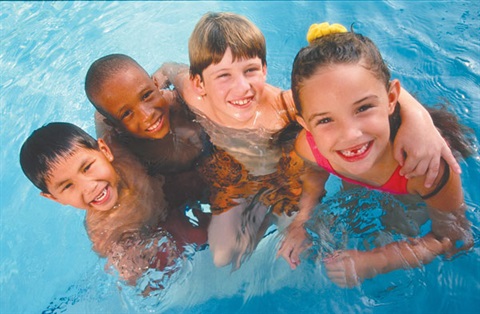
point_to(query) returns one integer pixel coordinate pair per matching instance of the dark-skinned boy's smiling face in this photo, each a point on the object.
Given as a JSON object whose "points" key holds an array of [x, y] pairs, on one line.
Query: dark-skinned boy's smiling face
{"points": [[132, 98]]}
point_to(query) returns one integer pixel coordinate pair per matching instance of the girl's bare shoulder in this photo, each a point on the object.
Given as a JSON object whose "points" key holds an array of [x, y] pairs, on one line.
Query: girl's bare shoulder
{"points": [[302, 147]]}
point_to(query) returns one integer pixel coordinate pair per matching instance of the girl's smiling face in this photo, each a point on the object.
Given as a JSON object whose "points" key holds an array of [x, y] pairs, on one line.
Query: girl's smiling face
{"points": [[84, 179], [233, 88], [346, 108]]}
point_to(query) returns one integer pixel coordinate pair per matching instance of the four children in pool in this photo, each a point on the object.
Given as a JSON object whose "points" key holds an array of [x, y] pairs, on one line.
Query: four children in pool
{"points": [[226, 89]]}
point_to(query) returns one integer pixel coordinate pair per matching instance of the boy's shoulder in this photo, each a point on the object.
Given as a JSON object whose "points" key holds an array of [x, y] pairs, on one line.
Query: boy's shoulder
{"points": [[281, 101]]}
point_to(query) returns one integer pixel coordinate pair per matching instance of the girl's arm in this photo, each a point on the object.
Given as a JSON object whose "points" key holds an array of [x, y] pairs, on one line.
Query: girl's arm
{"points": [[350, 268], [450, 233], [446, 208], [313, 188], [418, 138], [178, 75]]}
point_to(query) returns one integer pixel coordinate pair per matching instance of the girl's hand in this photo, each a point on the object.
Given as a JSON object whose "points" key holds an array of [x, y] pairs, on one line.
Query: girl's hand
{"points": [[294, 244], [349, 268], [170, 73], [160, 79]]}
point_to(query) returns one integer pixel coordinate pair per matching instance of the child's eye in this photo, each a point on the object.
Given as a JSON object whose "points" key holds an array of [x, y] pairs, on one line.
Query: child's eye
{"points": [[323, 121], [87, 167], [223, 75], [147, 95], [126, 114], [252, 69], [67, 186], [363, 108]]}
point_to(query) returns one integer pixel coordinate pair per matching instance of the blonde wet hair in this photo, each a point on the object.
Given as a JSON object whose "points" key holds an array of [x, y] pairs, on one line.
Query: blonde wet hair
{"points": [[215, 32]]}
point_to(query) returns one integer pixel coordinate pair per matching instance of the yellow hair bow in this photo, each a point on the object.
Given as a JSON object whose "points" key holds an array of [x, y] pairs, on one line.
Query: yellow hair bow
{"points": [[318, 30]]}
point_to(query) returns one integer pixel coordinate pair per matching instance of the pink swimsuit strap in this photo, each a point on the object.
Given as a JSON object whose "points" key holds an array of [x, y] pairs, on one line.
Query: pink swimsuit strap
{"points": [[396, 184]]}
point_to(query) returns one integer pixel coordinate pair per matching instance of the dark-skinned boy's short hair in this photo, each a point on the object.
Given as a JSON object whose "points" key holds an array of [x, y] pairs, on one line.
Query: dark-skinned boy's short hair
{"points": [[47, 145], [102, 70]]}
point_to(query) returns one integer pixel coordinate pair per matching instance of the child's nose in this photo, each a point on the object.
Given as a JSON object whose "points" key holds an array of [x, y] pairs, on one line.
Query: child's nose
{"points": [[145, 112], [350, 130], [89, 188], [242, 83]]}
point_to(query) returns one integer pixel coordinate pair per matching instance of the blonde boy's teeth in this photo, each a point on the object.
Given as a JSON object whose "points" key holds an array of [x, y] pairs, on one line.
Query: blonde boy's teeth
{"points": [[240, 102]]}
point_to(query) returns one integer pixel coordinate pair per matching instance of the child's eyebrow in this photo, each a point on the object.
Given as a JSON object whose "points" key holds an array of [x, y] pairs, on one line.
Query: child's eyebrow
{"points": [[365, 98], [220, 70], [143, 91], [84, 163], [313, 116], [254, 62], [60, 184]]}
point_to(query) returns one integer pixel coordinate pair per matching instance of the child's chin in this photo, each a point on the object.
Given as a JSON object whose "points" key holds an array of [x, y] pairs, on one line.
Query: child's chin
{"points": [[158, 134], [104, 207]]}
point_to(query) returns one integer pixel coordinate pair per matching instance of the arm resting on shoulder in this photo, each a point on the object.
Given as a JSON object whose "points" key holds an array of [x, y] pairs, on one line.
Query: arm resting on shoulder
{"points": [[313, 189], [418, 138], [173, 73]]}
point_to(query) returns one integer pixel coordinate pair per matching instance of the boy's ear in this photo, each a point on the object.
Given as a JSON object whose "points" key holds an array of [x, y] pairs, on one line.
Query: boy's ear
{"points": [[105, 149], [49, 196], [393, 94], [198, 85]]}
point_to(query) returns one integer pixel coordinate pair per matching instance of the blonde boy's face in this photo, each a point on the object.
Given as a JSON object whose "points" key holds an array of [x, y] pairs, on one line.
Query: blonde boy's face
{"points": [[133, 99], [234, 88], [346, 108], [85, 179]]}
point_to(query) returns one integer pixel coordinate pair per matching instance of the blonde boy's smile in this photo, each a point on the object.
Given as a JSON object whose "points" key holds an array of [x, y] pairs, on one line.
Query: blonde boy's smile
{"points": [[242, 103], [232, 89]]}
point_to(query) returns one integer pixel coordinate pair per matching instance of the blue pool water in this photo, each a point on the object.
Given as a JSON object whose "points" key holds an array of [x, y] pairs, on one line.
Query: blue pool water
{"points": [[46, 264]]}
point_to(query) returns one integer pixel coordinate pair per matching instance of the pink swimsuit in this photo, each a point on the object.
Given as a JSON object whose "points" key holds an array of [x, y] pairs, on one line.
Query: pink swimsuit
{"points": [[397, 184]]}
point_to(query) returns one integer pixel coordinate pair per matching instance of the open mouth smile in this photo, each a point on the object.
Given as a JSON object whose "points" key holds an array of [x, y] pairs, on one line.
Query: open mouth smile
{"points": [[242, 102], [355, 153], [101, 198], [155, 126]]}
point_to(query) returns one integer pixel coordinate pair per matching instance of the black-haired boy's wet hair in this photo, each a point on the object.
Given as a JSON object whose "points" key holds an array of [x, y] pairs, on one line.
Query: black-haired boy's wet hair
{"points": [[46, 146]]}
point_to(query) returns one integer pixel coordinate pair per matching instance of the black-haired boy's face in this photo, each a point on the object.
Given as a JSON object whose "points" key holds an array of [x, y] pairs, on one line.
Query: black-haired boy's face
{"points": [[85, 179], [132, 98]]}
